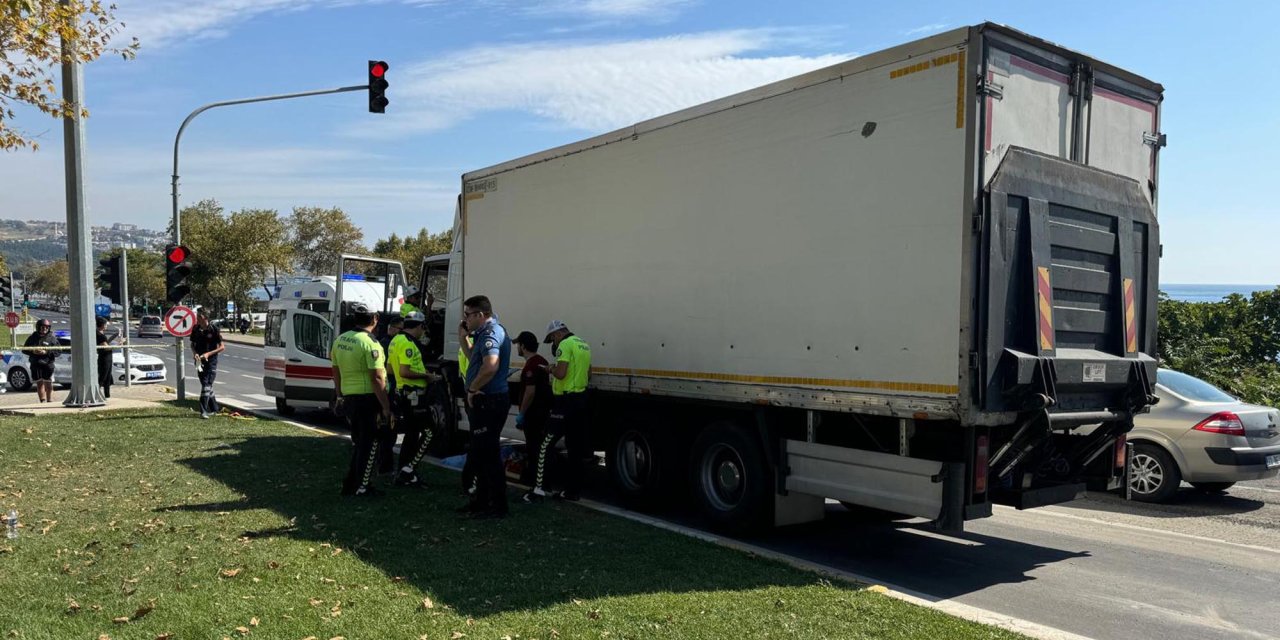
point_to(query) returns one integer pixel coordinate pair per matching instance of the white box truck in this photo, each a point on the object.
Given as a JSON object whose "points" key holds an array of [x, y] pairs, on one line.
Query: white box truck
{"points": [[903, 282]]}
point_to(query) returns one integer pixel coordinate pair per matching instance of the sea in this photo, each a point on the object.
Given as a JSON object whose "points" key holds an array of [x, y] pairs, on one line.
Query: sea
{"points": [[1210, 292]]}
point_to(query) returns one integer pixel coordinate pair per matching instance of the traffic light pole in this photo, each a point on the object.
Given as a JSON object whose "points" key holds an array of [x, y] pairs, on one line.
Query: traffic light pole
{"points": [[180, 364]]}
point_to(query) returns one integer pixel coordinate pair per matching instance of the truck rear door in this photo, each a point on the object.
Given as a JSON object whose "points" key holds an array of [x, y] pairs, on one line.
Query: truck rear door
{"points": [[1067, 106], [1069, 259]]}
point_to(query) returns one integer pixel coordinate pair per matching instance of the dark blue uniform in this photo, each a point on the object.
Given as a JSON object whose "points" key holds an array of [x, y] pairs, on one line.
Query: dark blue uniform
{"points": [[488, 415]]}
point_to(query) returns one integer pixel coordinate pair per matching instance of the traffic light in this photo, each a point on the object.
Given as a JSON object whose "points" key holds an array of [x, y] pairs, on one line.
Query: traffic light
{"points": [[111, 280], [378, 86], [177, 267], [6, 291]]}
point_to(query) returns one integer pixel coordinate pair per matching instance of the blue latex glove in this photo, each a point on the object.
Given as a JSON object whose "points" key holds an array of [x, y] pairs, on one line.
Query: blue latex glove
{"points": [[520, 421]]}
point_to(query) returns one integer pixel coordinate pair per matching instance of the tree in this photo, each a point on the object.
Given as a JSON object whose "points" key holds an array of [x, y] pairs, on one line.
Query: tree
{"points": [[231, 254], [1233, 344], [318, 235], [31, 33], [53, 280], [410, 251]]}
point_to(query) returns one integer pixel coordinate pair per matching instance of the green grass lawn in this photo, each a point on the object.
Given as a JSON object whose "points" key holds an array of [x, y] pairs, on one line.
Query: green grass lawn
{"points": [[151, 524]]}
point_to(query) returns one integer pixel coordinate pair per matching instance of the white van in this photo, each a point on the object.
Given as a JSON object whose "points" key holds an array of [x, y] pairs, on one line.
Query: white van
{"points": [[301, 328]]}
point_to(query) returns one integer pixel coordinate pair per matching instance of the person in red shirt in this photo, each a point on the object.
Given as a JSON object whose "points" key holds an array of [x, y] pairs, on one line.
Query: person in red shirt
{"points": [[535, 400]]}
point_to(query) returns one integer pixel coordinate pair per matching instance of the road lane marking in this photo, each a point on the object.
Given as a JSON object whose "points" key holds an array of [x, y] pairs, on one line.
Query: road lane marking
{"points": [[1048, 511]]}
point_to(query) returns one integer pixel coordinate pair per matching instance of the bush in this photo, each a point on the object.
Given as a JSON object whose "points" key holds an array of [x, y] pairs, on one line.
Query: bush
{"points": [[1233, 344]]}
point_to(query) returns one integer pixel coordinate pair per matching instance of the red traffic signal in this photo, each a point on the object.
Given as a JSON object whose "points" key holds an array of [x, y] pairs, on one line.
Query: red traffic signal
{"points": [[177, 253], [378, 86]]}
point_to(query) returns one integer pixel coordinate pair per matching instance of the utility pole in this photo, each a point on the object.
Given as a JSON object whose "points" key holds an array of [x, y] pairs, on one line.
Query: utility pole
{"points": [[84, 365], [179, 363], [124, 302]]}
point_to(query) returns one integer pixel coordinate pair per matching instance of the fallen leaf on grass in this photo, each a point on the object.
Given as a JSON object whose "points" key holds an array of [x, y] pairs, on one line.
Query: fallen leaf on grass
{"points": [[273, 565], [328, 580], [164, 636], [456, 635], [315, 601], [121, 620], [577, 602], [428, 604], [398, 579], [144, 609], [244, 631], [230, 573], [338, 638], [104, 637], [311, 638], [73, 607], [594, 614], [253, 622]]}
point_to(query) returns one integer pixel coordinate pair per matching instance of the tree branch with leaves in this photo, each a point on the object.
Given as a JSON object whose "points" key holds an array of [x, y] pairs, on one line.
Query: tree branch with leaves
{"points": [[31, 35]]}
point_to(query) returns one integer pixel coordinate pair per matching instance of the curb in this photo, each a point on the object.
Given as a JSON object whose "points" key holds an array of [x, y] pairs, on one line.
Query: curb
{"points": [[949, 607]]}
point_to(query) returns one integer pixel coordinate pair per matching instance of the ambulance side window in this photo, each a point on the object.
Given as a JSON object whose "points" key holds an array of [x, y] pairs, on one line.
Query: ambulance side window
{"points": [[274, 337], [312, 335]]}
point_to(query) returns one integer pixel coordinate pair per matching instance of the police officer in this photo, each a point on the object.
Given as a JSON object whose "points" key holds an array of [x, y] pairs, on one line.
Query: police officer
{"points": [[360, 380], [568, 418], [415, 418], [488, 399]]}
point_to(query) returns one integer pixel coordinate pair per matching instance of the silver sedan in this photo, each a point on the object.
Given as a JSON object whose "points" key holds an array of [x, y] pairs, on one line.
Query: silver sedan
{"points": [[1201, 435]]}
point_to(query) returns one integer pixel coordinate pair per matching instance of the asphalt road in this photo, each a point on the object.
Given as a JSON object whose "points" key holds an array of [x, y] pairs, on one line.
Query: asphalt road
{"points": [[1207, 566]]}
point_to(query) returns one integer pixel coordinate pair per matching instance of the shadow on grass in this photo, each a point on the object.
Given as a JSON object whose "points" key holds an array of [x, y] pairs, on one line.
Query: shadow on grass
{"points": [[539, 556]]}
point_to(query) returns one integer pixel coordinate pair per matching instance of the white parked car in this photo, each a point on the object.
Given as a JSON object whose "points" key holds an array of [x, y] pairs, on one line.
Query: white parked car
{"points": [[17, 370]]}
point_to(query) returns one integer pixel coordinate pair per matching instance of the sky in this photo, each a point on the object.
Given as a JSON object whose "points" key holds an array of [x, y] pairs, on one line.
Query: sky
{"points": [[477, 82]]}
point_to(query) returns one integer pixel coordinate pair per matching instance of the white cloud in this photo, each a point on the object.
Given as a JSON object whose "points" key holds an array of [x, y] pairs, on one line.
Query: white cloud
{"points": [[161, 23], [927, 28], [590, 86], [609, 8]]}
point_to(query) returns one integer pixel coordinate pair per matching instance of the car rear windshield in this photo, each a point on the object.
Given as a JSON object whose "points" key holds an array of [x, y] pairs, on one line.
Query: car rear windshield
{"points": [[152, 320], [1191, 388]]}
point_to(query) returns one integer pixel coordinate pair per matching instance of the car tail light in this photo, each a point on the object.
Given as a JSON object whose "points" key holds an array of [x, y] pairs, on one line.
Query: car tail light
{"points": [[1225, 422], [1121, 450], [980, 470]]}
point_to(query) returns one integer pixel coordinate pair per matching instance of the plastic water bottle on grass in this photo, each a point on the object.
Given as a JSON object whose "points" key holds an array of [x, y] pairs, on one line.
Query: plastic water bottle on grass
{"points": [[11, 524]]}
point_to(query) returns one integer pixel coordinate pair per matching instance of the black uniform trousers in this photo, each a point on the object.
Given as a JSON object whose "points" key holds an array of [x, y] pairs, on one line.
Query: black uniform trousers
{"points": [[417, 425], [362, 412], [568, 420], [488, 415]]}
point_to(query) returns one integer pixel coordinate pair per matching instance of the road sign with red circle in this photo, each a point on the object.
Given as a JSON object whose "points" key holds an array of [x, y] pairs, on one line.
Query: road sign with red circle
{"points": [[180, 321], [11, 320]]}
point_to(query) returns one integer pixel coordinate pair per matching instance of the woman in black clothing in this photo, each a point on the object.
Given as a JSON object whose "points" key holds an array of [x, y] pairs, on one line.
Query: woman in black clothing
{"points": [[104, 358]]}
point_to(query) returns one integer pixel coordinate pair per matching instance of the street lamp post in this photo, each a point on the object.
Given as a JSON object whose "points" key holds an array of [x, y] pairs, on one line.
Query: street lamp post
{"points": [[180, 365]]}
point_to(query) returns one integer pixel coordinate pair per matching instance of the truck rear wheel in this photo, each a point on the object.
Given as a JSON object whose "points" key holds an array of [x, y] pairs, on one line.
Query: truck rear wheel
{"points": [[731, 481], [639, 462], [283, 408]]}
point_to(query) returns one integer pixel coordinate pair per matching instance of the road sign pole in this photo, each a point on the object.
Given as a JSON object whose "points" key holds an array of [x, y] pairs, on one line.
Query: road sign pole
{"points": [[124, 298], [85, 391]]}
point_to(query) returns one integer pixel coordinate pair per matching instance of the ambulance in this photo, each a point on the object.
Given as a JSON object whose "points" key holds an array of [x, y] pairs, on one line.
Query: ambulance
{"points": [[301, 327]]}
